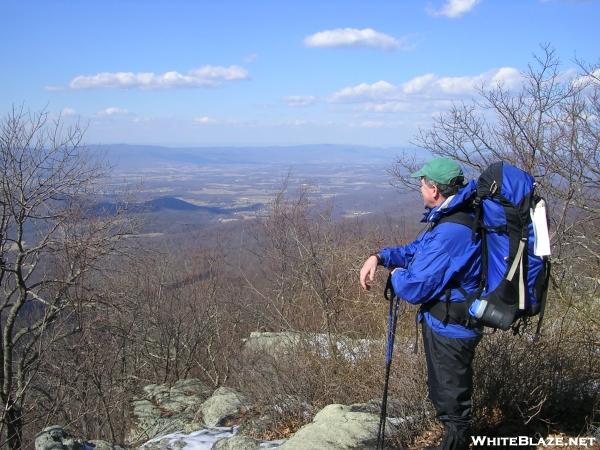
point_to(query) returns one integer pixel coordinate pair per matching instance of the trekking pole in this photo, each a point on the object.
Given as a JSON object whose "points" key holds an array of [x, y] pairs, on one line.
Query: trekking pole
{"points": [[394, 301]]}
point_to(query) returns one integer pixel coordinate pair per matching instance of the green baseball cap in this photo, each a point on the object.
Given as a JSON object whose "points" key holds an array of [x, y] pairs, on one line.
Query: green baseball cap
{"points": [[440, 170]]}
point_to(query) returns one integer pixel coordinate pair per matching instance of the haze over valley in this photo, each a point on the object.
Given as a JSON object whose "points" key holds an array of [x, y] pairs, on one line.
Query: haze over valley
{"points": [[182, 189]]}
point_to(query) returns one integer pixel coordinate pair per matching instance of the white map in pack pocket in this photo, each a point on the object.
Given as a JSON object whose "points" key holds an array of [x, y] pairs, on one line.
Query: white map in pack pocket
{"points": [[541, 246]]}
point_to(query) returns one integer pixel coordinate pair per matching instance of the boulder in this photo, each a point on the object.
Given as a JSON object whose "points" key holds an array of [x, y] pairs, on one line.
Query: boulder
{"points": [[57, 438], [338, 427], [166, 409], [224, 404]]}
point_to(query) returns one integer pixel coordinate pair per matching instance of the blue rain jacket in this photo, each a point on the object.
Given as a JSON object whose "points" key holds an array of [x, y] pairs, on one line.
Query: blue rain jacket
{"points": [[441, 256]]}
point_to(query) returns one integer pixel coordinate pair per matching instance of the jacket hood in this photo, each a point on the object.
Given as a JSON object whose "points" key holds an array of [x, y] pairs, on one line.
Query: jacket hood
{"points": [[451, 204]]}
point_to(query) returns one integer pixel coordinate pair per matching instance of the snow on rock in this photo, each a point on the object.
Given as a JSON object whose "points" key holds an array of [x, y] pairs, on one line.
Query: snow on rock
{"points": [[272, 343], [216, 438], [198, 440], [277, 344]]}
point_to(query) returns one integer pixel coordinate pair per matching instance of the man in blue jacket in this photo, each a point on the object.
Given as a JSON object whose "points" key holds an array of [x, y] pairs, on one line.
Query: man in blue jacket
{"points": [[437, 271]]}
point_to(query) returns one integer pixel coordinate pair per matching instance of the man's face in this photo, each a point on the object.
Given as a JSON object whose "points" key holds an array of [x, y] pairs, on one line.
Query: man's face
{"points": [[430, 194]]}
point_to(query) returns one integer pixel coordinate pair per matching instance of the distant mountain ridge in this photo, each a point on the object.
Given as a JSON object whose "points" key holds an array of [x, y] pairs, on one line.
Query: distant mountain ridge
{"points": [[167, 203], [125, 155]]}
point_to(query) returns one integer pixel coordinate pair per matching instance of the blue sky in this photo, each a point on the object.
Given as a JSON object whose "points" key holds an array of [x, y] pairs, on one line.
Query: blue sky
{"points": [[273, 72]]}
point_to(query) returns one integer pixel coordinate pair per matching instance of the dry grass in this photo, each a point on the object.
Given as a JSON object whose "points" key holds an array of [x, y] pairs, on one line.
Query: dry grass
{"points": [[552, 385]]}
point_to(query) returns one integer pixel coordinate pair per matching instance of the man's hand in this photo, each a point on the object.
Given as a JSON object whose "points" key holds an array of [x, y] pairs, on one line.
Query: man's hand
{"points": [[368, 270]]}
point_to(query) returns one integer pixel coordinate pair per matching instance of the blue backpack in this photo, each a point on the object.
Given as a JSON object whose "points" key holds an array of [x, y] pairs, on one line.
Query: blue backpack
{"points": [[514, 279], [515, 266]]}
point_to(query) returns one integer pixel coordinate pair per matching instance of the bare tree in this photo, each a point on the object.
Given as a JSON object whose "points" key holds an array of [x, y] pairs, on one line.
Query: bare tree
{"points": [[549, 126], [305, 269], [49, 241]]}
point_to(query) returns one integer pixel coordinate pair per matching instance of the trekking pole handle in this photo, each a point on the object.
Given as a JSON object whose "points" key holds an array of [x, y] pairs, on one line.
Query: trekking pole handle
{"points": [[388, 292]]}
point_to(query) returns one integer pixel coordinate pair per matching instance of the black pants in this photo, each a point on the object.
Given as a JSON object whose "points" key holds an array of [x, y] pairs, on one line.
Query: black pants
{"points": [[450, 382]]}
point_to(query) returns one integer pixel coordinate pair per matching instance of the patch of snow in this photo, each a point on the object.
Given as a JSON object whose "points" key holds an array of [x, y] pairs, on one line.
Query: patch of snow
{"points": [[203, 439], [198, 440]]}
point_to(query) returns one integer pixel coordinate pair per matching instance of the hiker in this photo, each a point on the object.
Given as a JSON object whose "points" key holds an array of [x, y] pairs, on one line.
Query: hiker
{"points": [[438, 271]]}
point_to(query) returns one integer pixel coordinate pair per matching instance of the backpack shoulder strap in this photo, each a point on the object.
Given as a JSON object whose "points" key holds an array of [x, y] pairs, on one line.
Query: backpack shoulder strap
{"points": [[461, 217]]}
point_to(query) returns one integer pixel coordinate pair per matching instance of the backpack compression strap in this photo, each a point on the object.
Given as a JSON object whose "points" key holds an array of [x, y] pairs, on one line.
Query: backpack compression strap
{"points": [[518, 262]]}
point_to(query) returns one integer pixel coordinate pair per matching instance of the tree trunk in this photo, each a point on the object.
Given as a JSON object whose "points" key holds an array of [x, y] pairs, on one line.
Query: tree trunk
{"points": [[14, 427]]}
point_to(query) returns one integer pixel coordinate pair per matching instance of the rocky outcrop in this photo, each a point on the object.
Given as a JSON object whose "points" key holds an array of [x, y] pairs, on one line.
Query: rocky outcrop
{"points": [[170, 416], [338, 427], [335, 427], [166, 409], [272, 343], [224, 404], [57, 438], [278, 344]]}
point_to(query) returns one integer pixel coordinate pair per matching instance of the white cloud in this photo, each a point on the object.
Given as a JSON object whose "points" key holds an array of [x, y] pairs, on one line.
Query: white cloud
{"points": [[509, 77], [113, 111], [66, 112], [206, 76], [424, 93], [364, 92], [300, 100], [432, 85], [427, 85], [417, 84], [354, 37], [585, 80], [454, 8], [455, 85], [205, 120]]}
